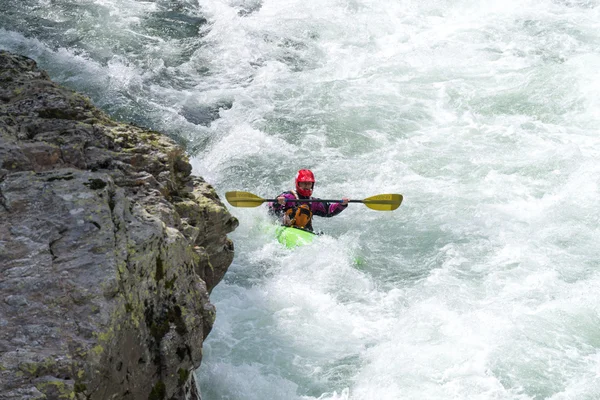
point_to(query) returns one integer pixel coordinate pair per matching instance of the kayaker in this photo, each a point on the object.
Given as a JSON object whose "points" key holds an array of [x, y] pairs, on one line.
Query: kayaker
{"points": [[299, 214]]}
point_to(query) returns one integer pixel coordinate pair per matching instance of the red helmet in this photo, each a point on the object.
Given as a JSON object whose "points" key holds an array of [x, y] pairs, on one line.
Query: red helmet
{"points": [[305, 175]]}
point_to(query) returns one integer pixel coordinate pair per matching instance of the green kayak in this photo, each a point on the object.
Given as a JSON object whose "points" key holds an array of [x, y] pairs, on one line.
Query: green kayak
{"points": [[294, 237]]}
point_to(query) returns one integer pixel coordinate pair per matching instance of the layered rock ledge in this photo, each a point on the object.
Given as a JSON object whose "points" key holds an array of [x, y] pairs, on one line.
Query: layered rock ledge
{"points": [[109, 248]]}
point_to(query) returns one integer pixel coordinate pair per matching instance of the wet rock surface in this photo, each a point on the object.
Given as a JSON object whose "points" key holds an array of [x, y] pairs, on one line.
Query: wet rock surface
{"points": [[109, 248]]}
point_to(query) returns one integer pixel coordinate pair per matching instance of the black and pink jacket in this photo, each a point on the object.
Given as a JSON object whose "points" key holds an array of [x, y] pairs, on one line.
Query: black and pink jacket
{"points": [[320, 208]]}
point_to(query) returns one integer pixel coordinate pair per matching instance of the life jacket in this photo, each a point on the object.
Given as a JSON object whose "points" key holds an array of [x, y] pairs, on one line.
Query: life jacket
{"points": [[300, 216]]}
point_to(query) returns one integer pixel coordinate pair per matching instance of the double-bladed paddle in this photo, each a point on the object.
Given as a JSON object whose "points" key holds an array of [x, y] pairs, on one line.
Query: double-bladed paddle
{"points": [[380, 202]]}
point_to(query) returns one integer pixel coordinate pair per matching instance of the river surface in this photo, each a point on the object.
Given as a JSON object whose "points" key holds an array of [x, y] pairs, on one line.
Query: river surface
{"points": [[485, 115]]}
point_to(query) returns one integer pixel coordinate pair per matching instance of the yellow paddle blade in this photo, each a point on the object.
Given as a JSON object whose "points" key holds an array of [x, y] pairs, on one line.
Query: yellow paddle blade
{"points": [[244, 199], [383, 202]]}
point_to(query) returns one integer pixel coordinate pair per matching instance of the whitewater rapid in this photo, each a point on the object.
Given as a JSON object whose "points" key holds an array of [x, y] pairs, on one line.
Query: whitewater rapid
{"points": [[484, 115]]}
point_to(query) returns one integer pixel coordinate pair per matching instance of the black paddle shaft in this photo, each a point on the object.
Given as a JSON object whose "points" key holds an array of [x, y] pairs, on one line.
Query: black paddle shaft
{"points": [[314, 201]]}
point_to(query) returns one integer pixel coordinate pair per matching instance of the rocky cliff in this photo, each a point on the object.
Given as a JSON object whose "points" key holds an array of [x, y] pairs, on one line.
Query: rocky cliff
{"points": [[109, 248]]}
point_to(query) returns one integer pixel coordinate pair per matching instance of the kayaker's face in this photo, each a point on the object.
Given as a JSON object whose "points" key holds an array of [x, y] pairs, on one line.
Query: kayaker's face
{"points": [[305, 185]]}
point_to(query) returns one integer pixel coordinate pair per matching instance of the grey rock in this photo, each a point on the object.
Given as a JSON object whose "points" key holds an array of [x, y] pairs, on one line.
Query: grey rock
{"points": [[109, 249]]}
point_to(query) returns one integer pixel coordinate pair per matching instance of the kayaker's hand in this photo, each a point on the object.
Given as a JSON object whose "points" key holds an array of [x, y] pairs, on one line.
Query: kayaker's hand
{"points": [[286, 220], [281, 200], [345, 201]]}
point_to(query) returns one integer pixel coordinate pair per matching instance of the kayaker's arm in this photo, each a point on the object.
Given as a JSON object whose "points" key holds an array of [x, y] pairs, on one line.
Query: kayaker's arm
{"points": [[325, 209], [278, 209]]}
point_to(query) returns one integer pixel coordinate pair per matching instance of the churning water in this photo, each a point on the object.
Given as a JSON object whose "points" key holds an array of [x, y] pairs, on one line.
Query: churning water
{"points": [[485, 115]]}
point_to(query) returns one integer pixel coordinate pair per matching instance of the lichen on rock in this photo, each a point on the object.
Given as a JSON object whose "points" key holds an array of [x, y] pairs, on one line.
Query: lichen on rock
{"points": [[109, 248]]}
